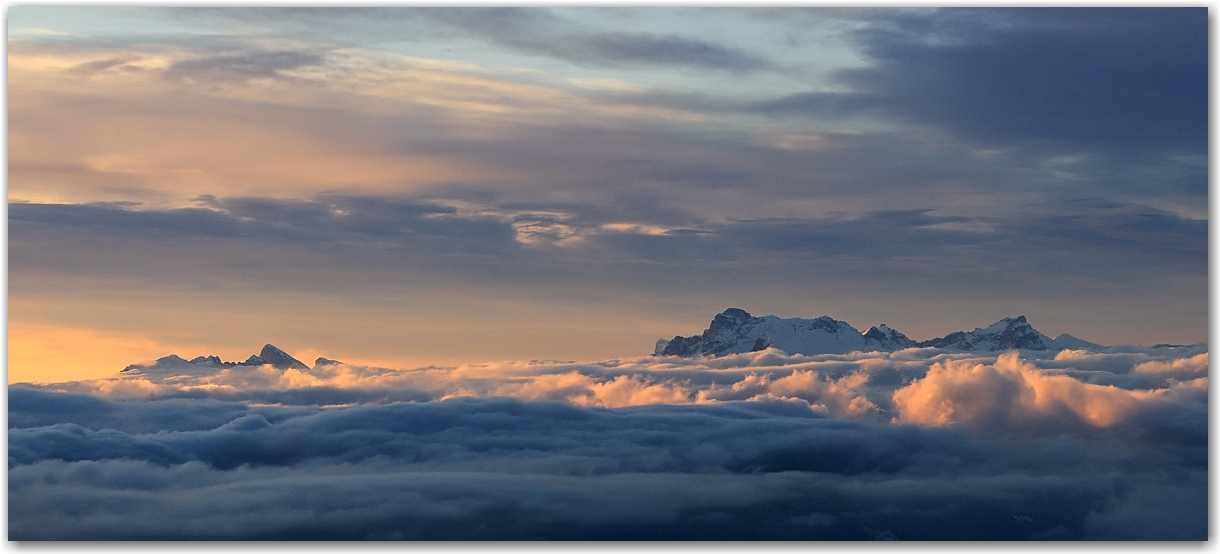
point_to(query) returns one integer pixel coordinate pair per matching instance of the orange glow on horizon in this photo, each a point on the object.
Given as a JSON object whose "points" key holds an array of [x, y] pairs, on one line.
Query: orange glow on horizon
{"points": [[51, 354]]}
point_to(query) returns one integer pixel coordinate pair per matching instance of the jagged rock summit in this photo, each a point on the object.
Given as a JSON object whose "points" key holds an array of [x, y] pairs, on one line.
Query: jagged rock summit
{"points": [[1005, 334], [280, 359], [734, 331], [270, 355]]}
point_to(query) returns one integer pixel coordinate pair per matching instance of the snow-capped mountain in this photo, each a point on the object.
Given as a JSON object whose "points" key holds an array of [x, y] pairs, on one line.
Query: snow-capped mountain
{"points": [[270, 355], [734, 331], [885, 339], [1005, 334]]}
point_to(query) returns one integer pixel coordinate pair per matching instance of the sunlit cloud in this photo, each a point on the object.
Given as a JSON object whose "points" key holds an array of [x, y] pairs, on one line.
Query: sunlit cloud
{"points": [[916, 386], [614, 85], [1016, 395], [816, 443], [1182, 369], [222, 137]]}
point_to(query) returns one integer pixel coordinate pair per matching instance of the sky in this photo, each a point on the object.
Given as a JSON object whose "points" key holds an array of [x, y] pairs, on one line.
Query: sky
{"points": [[407, 187], [480, 221]]}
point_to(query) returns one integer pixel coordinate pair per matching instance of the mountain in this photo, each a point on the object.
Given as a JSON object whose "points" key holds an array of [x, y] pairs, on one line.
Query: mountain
{"points": [[885, 339], [1005, 334], [270, 355], [280, 359], [734, 331], [1066, 341]]}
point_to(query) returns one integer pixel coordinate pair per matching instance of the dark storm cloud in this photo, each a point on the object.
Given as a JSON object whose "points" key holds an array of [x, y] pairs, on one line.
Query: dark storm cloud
{"points": [[503, 468], [1123, 78]]}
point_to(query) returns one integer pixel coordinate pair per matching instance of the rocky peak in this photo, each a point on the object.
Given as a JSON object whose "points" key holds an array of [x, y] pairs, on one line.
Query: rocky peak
{"points": [[1005, 334], [279, 359], [885, 338], [735, 331], [728, 319]]}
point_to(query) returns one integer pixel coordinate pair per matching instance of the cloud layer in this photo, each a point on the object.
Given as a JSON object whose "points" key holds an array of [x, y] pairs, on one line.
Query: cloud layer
{"points": [[908, 445]]}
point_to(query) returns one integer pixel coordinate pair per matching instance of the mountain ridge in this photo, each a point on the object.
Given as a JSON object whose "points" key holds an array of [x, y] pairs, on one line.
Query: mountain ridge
{"points": [[269, 355], [734, 331]]}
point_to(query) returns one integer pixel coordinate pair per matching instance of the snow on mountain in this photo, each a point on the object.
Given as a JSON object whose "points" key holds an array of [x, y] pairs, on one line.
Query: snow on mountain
{"points": [[1005, 334], [885, 339], [735, 331]]}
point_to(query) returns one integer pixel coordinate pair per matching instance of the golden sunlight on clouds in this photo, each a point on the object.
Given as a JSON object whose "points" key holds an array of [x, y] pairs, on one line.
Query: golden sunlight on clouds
{"points": [[49, 353], [103, 125], [1015, 394], [983, 393], [206, 147], [472, 93], [796, 141], [1181, 369], [614, 85]]}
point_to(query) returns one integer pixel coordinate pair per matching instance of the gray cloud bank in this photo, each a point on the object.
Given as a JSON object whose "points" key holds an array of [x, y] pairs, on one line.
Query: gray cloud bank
{"points": [[907, 445], [1115, 239]]}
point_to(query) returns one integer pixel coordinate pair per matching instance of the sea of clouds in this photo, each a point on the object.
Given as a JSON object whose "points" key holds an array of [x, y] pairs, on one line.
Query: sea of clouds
{"points": [[914, 444]]}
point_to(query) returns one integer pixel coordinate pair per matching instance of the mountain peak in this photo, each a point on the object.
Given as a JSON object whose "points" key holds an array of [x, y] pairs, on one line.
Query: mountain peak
{"points": [[734, 331], [731, 317], [1005, 334], [279, 359], [885, 338]]}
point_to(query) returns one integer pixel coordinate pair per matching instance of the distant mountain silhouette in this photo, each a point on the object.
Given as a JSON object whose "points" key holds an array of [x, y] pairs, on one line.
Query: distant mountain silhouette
{"points": [[734, 331]]}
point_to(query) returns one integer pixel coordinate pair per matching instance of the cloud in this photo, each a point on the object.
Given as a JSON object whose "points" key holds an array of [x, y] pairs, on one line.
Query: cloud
{"points": [[241, 65], [751, 446], [602, 49], [502, 468], [666, 233], [1116, 77], [1013, 396], [1039, 395], [1183, 369], [538, 31]]}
